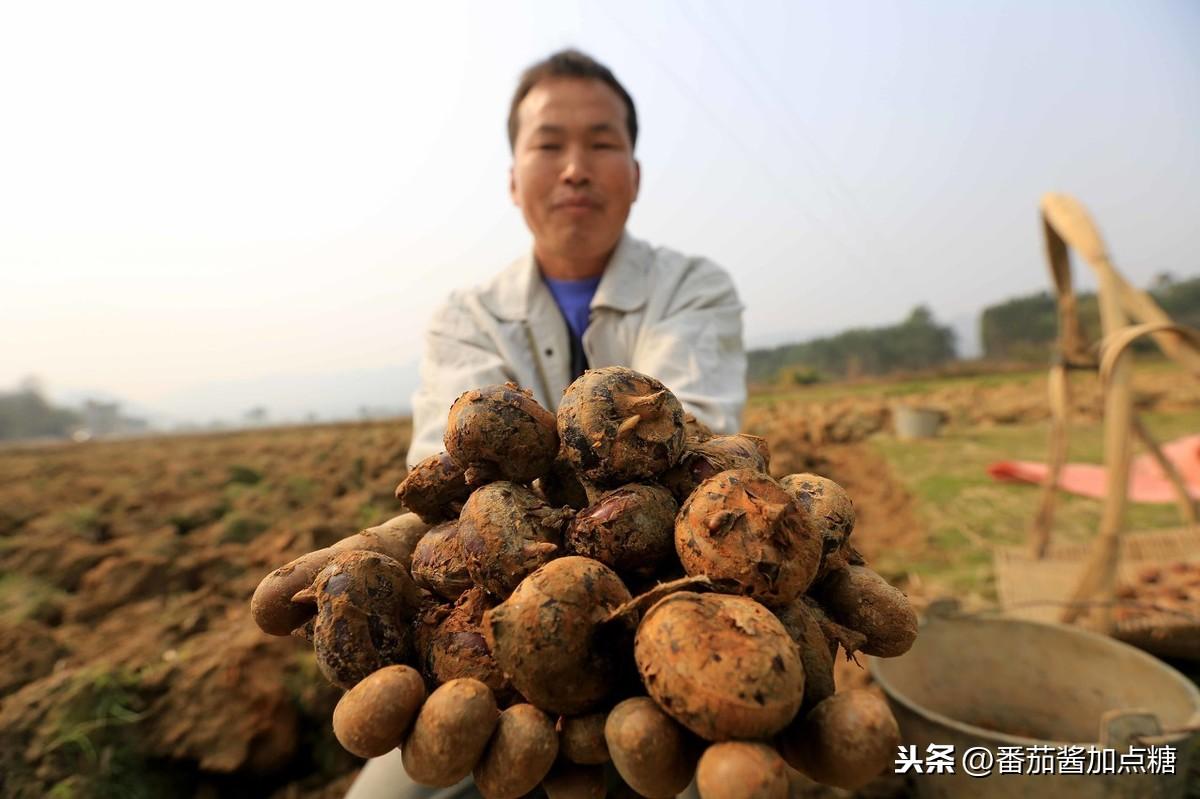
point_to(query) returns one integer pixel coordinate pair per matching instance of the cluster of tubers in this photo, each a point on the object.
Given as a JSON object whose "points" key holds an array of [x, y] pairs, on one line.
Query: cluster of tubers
{"points": [[1171, 588], [614, 586]]}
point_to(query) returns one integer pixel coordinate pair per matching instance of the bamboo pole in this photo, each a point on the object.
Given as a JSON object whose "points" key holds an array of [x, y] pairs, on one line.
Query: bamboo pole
{"points": [[1099, 578], [1174, 343], [1066, 223], [1183, 500], [1114, 347], [1060, 403]]}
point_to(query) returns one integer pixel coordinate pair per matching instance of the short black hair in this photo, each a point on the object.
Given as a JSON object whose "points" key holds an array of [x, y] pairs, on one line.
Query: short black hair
{"points": [[570, 63]]}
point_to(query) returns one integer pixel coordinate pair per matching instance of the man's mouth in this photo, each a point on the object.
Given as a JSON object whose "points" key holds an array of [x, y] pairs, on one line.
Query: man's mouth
{"points": [[576, 204]]}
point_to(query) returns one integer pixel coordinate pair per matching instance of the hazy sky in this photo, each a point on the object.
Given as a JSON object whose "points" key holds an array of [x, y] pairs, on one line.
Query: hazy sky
{"points": [[217, 191]]}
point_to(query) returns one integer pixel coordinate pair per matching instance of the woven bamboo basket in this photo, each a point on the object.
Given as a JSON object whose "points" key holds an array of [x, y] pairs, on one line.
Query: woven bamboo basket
{"points": [[1038, 590]]}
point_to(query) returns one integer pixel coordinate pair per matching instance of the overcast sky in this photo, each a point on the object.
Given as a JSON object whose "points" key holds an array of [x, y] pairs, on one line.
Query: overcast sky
{"points": [[205, 192]]}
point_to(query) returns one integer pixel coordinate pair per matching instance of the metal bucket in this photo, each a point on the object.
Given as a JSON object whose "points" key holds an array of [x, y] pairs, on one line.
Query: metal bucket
{"points": [[912, 422], [992, 682]]}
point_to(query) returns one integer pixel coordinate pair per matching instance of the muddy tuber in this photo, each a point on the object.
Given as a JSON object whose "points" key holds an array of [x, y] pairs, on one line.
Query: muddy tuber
{"points": [[501, 433], [618, 426]]}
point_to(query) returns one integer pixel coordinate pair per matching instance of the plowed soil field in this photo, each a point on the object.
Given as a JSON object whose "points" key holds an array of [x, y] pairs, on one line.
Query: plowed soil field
{"points": [[133, 668]]}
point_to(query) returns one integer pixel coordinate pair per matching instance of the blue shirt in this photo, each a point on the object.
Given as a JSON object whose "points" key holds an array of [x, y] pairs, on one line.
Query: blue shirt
{"points": [[574, 299]]}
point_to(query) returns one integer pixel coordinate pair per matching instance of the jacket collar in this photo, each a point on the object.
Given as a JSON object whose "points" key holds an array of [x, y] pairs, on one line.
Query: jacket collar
{"points": [[623, 286]]}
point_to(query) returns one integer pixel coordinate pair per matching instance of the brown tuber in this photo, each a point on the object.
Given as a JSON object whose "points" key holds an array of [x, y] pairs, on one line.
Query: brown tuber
{"points": [[702, 460], [630, 529], [695, 430], [450, 733], [550, 637], [648, 749], [372, 718], [846, 741], [519, 755], [273, 609], [830, 512], [835, 634], [561, 487], [581, 738], [396, 538], [438, 564], [456, 648], [723, 666], [501, 433], [800, 620], [435, 489], [860, 599], [618, 426], [505, 532], [741, 770], [742, 528], [365, 602], [274, 606]]}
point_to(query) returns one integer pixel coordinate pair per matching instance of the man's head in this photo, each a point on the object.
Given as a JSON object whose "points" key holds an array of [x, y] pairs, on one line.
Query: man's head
{"points": [[572, 128]]}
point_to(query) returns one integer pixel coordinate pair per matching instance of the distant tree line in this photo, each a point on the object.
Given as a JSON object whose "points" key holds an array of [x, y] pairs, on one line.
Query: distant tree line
{"points": [[918, 342], [1025, 328], [1019, 329], [25, 413]]}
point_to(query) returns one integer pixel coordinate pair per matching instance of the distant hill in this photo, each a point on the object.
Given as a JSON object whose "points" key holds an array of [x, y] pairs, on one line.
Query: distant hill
{"points": [[1025, 328], [1017, 329], [919, 342]]}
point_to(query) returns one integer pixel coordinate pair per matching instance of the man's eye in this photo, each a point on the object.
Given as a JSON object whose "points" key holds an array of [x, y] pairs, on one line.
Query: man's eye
{"points": [[604, 145], [549, 146]]}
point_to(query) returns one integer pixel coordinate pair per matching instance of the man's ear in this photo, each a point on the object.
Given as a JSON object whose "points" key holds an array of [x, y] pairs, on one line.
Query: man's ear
{"points": [[512, 187], [637, 178]]}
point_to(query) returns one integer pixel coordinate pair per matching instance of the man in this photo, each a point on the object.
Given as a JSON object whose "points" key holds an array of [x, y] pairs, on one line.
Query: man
{"points": [[588, 295]]}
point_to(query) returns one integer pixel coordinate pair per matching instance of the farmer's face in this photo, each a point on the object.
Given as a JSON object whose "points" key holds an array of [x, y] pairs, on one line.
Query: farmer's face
{"points": [[573, 174]]}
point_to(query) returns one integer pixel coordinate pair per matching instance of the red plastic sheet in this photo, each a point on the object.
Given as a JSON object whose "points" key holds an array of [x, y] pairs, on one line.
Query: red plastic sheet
{"points": [[1147, 482]]}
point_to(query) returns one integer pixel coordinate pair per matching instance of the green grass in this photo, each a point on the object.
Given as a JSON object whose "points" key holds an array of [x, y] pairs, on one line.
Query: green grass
{"points": [[85, 521], [966, 513], [95, 738], [243, 475], [25, 597], [241, 528]]}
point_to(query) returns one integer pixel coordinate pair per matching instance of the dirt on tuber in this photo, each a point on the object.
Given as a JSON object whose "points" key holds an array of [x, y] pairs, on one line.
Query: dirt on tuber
{"points": [[552, 637], [618, 426], [438, 563], [365, 603], [741, 527], [435, 489], [631, 529], [723, 666], [501, 433], [505, 532]]}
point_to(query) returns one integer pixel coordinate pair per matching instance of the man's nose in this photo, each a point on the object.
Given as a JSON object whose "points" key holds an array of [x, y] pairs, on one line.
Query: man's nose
{"points": [[576, 170]]}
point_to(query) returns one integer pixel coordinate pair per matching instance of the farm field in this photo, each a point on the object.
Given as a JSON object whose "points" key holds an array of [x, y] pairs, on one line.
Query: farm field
{"points": [[126, 567]]}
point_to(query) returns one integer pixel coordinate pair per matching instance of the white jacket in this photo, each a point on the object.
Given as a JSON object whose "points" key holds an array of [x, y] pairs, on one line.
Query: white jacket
{"points": [[671, 316]]}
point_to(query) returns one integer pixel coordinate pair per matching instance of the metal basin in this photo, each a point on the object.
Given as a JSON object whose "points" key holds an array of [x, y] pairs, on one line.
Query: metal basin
{"points": [[912, 422], [993, 682]]}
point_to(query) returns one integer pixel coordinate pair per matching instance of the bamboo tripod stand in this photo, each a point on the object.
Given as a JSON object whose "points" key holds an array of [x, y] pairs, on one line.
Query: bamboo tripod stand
{"points": [[1126, 314]]}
